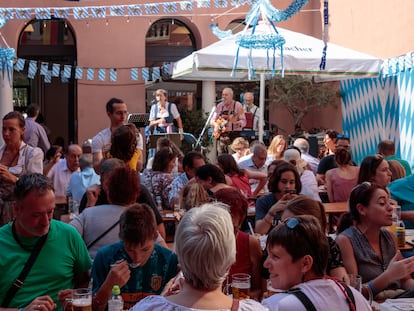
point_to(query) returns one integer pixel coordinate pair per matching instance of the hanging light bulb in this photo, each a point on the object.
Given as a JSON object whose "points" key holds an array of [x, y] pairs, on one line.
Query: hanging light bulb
{"points": [[106, 23]]}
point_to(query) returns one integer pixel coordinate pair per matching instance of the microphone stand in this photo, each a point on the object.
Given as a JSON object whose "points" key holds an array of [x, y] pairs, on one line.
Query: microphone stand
{"points": [[205, 127]]}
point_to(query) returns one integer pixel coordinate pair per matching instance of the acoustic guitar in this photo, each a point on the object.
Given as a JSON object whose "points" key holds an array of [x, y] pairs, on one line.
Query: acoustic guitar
{"points": [[222, 123]]}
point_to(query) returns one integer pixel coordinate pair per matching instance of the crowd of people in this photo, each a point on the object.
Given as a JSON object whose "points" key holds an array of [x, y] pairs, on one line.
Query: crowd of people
{"points": [[81, 217]]}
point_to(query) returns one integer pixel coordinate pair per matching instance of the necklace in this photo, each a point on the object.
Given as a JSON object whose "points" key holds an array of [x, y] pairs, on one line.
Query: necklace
{"points": [[381, 257]]}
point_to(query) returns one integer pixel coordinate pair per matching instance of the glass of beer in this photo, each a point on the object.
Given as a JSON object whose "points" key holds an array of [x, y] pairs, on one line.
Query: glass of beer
{"points": [[82, 299], [240, 286]]}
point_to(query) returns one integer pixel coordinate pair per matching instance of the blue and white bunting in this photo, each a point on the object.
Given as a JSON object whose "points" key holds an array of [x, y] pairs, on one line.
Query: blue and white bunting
{"points": [[63, 78], [32, 69], [78, 73], [90, 74], [186, 5], [134, 74], [42, 13], [67, 71], [48, 77], [220, 4], [165, 70], [6, 13], [152, 8], [237, 3], [98, 12], [79, 13], [134, 10], [155, 73], [102, 74], [117, 10], [55, 70], [113, 75], [145, 73], [23, 13], [19, 66], [61, 12], [44, 68], [170, 7], [203, 4]]}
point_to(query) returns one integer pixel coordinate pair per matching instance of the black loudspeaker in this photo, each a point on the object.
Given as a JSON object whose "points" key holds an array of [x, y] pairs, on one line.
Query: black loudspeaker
{"points": [[313, 145]]}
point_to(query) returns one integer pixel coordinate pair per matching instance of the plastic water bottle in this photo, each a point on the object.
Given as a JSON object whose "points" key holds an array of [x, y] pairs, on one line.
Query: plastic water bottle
{"points": [[116, 303]]}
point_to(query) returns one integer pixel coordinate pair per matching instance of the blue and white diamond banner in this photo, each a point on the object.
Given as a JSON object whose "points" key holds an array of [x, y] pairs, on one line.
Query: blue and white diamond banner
{"points": [[117, 10], [32, 69], [186, 5], [44, 68], [134, 74], [78, 73], [48, 77], [170, 7], [101, 74], [134, 10], [90, 74], [61, 12], [55, 70], [145, 73], [98, 12], [152, 9], [42, 13], [155, 73], [67, 71], [23, 13], [113, 75], [79, 13], [19, 66]]}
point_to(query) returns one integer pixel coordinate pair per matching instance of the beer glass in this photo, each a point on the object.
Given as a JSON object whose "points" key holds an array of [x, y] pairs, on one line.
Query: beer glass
{"points": [[240, 286], [82, 299]]}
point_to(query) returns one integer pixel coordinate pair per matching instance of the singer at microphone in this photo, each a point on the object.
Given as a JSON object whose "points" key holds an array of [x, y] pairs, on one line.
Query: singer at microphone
{"points": [[228, 120]]}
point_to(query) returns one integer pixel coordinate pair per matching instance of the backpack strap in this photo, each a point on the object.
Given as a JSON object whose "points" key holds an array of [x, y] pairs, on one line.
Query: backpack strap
{"points": [[297, 292]]}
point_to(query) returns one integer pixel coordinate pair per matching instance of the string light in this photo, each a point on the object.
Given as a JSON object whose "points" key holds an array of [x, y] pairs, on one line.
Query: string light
{"points": [[107, 23]]}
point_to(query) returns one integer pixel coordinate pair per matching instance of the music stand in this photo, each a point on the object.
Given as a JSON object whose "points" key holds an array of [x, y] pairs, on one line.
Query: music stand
{"points": [[139, 119]]}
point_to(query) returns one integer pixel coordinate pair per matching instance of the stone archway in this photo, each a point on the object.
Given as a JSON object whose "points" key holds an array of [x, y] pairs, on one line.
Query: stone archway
{"points": [[52, 41]]}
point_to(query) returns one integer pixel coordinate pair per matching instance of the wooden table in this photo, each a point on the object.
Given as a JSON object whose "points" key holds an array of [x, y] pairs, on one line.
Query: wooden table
{"points": [[170, 223], [334, 209]]}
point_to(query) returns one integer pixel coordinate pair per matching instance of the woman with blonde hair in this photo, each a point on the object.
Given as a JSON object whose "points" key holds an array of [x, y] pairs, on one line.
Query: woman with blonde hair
{"points": [[277, 147], [206, 249], [240, 146], [192, 195], [163, 114]]}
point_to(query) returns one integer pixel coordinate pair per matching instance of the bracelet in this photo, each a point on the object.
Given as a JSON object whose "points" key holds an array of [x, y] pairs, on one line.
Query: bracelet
{"points": [[181, 130], [20, 309], [373, 289]]}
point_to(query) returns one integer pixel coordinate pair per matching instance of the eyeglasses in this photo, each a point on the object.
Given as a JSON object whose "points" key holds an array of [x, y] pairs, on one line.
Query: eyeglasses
{"points": [[364, 185]]}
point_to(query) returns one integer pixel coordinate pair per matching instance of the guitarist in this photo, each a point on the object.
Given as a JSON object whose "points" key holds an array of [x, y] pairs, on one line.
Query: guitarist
{"points": [[228, 120]]}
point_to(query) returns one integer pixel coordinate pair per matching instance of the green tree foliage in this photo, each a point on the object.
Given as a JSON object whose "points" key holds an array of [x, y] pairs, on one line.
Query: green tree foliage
{"points": [[300, 95]]}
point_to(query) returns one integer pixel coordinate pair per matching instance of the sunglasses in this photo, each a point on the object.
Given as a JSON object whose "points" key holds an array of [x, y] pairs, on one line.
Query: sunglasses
{"points": [[342, 136]]}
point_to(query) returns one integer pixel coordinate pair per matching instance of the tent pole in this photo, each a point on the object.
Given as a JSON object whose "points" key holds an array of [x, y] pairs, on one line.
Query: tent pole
{"points": [[262, 105]]}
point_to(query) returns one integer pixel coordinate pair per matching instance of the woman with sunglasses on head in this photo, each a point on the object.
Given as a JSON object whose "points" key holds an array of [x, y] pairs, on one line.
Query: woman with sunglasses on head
{"points": [[298, 255], [284, 184], [370, 250], [302, 205]]}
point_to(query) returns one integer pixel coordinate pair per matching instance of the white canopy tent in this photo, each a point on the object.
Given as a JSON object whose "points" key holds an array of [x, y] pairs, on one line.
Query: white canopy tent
{"points": [[301, 56]]}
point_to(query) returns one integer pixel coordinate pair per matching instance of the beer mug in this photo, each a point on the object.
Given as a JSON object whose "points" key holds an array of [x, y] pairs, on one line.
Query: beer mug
{"points": [[240, 286], [82, 299], [355, 281]]}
